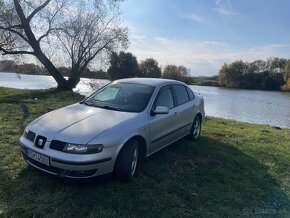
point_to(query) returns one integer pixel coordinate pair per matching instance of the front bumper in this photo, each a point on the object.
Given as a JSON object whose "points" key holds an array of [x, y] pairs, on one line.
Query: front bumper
{"points": [[70, 165]]}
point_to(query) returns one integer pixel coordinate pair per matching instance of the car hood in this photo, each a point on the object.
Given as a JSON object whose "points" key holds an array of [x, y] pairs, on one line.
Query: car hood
{"points": [[77, 123]]}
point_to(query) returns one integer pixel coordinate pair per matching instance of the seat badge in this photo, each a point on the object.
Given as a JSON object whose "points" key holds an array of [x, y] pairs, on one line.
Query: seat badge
{"points": [[40, 142]]}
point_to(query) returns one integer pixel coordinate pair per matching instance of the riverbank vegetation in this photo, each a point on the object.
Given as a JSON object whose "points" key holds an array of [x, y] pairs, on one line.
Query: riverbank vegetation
{"points": [[235, 169], [272, 74], [206, 81]]}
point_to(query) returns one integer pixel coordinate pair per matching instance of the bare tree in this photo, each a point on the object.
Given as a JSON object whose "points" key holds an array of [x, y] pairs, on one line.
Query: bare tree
{"points": [[78, 30]]}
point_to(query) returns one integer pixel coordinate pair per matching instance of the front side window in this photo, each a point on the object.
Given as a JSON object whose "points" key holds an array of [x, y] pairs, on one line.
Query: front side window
{"points": [[181, 94], [127, 97], [165, 99]]}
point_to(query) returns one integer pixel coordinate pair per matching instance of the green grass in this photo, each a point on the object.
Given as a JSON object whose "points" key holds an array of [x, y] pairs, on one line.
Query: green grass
{"points": [[236, 169], [196, 80]]}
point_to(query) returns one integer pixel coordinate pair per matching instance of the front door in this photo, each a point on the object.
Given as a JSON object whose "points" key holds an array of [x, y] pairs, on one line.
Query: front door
{"points": [[162, 126]]}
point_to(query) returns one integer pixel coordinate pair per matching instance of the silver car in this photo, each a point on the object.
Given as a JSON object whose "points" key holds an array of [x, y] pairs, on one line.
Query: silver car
{"points": [[113, 129]]}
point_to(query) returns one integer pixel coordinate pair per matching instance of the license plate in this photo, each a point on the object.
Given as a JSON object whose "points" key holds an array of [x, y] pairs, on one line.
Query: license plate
{"points": [[38, 157]]}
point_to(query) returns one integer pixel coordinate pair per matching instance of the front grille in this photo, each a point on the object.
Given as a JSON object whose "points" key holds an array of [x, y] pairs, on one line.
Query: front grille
{"points": [[30, 136], [57, 145]]}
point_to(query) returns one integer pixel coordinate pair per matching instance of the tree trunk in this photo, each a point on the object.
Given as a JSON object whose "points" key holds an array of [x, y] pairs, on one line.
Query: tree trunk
{"points": [[62, 83], [74, 78], [73, 81]]}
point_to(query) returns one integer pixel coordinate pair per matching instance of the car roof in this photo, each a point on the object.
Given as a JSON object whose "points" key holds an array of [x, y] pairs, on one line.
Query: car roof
{"points": [[149, 81]]}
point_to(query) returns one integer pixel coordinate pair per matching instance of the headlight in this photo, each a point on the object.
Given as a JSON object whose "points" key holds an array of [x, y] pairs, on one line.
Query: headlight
{"points": [[25, 132], [82, 149]]}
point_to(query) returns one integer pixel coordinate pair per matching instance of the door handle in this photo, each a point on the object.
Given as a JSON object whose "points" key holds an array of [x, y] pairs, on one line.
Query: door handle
{"points": [[175, 113]]}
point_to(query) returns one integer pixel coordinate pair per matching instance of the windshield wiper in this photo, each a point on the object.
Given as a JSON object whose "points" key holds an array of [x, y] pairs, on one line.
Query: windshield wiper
{"points": [[86, 103], [105, 107], [111, 108]]}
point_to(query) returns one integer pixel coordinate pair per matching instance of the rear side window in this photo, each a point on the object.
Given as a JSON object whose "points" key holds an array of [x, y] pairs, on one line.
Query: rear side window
{"points": [[190, 93], [181, 94]]}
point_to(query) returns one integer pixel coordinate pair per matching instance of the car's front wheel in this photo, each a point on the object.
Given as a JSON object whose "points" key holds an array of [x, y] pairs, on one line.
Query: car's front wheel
{"points": [[127, 161], [195, 130]]}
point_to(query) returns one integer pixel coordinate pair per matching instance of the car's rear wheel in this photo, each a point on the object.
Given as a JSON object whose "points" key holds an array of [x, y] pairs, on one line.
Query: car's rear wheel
{"points": [[127, 161], [195, 130]]}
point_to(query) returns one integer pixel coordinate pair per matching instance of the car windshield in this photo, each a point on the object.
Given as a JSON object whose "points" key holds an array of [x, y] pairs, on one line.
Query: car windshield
{"points": [[120, 96]]}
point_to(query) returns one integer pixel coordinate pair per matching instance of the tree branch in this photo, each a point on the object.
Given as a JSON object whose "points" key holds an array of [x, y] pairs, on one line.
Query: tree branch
{"points": [[50, 21], [6, 52], [33, 13], [10, 29], [47, 33], [93, 56]]}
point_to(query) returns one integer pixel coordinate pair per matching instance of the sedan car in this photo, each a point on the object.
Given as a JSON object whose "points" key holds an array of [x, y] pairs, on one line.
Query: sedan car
{"points": [[113, 129]]}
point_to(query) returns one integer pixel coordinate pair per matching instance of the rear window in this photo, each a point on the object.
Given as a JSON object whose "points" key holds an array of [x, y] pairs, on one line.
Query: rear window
{"points": [[190, 93], [181, 94]]}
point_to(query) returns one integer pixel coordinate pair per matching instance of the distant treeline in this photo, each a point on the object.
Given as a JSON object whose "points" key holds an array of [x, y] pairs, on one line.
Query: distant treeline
{"points": [[273, 74], [34, 69]]}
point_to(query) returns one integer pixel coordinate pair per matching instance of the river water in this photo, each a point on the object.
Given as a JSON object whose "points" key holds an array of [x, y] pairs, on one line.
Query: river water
{"points": [[253, 106]]}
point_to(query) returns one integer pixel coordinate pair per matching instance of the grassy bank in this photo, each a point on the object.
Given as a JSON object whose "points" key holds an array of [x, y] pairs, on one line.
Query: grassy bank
{"points": [[205, 81], [236, 169]]}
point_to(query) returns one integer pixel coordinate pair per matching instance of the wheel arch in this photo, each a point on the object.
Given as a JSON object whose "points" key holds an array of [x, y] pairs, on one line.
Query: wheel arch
{"points": [[142, 147], [199, 115]]}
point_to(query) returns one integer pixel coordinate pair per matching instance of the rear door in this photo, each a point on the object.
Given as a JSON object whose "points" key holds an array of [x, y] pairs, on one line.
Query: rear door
{"points": [[163, 126], [185, 109]]}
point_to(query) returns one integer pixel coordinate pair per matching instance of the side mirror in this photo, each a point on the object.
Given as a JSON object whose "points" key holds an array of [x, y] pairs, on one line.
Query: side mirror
{"points": [[160, 110]]}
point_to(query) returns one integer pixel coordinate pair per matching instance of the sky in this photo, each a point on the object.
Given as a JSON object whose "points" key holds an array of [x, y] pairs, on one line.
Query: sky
{"points": [[202, 35]]}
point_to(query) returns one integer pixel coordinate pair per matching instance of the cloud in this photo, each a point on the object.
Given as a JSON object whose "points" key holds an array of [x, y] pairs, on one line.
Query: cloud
{"points": [[139, 38], [203, 58], [192, 17], [224, 8]]}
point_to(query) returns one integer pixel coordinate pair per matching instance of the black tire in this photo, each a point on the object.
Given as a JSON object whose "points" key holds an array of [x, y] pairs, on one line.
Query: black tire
{"points": [[127, 161], [195, 130]]}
